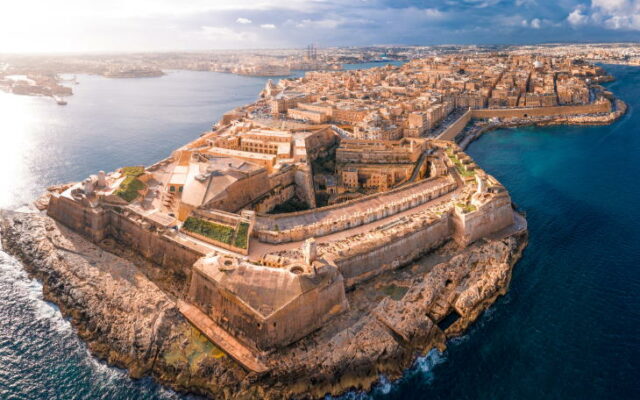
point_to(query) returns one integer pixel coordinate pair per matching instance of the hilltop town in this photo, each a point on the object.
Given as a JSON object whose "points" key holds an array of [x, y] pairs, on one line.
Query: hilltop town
{"points": [[313, 240]]}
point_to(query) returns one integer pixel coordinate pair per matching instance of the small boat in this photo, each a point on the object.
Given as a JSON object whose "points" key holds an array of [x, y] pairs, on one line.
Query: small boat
{"points": [[60, 101]]}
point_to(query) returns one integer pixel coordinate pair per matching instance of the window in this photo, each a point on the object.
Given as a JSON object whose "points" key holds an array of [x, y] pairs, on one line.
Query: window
{"points": [[172, 189], [180, 189]]}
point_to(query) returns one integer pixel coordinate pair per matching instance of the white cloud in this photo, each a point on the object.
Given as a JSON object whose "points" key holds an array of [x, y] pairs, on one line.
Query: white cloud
{"points": [[521, 3], [223, 35], [433, 13], [243, 21], [320, 23], [536, 23], [610, 14], [268, 26], [612, 5], [577, 18]]}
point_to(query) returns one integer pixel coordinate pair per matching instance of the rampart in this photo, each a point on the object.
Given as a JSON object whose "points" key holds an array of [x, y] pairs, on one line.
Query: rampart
{"points": [[487, 219], [390, 247], [266, 307], [141, 234], [282, 228], [91, 222], [160, 248], [598, 107], [454, 129]]}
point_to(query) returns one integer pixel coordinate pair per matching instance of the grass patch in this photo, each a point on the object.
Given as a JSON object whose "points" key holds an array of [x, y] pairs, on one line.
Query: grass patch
{"points": [[129, 188], [242, 235], [132, 171], [131, 185], [221, 233]]}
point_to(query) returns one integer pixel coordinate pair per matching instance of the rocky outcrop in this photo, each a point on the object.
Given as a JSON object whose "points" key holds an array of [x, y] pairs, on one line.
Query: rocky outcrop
{"points": [[130, 322], [123, 316]]}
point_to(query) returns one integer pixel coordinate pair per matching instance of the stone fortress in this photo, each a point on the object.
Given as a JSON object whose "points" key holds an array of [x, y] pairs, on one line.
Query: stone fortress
{"points": [[322, 184]]}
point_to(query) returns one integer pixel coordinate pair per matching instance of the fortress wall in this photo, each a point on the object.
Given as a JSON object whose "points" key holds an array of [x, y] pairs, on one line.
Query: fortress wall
{"points": [[304, 314], [304, 186], [318, 141], [90, 222], [150, 244], [490, 218], [225, 309], [284, 177], [296, 319], [600, 107], [242, 193], [282, 188], [454, 129], [278, 196], [98, 223], [314, 223], [393, 252]]}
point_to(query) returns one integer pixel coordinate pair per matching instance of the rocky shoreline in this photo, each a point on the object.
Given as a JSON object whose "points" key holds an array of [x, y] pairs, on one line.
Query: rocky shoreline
{"points": [[128, 321]]}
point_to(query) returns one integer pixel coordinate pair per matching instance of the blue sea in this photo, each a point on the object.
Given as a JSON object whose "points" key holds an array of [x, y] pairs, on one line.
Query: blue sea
{"points": [[569, 328]]}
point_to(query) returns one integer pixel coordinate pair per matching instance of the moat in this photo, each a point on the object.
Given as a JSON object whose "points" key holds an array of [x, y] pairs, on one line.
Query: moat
{"points": [[504, 178]]}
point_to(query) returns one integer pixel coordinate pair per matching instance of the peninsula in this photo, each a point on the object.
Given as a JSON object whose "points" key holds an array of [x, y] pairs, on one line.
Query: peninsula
{"points": [[312, 241]]}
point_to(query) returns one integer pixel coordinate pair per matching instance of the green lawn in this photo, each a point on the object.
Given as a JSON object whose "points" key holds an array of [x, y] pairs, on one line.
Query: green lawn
{"points": [[242, 235], [130, 186], [221, 233]]}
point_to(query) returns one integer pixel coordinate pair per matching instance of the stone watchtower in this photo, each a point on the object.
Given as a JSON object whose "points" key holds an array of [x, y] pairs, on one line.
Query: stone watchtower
{"points": [[309, 251]]}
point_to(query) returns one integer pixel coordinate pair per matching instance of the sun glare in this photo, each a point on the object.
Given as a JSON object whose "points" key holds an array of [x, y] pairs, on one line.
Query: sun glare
{"points": [[15, 119]]}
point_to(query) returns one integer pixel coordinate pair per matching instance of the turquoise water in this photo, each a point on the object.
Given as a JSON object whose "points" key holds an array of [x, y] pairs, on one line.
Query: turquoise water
{"points": [[569, 327]]}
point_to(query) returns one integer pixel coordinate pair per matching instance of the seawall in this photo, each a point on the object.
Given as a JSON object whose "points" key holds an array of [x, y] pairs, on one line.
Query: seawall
{"points": [[525, 112]]}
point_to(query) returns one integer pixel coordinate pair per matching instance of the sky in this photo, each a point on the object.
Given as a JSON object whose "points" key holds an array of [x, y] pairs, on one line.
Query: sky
{"points": [[165, 25]]}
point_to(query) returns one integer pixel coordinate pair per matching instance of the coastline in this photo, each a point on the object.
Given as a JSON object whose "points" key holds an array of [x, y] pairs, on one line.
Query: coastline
{"points": [[129, 322]]}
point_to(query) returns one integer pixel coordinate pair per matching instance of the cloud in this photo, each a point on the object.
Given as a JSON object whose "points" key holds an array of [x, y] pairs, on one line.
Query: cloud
{"points": [[222, 34], [433, 13], [529, 3], [318, 24], [205, 24], [608, 14], [577, 18]]}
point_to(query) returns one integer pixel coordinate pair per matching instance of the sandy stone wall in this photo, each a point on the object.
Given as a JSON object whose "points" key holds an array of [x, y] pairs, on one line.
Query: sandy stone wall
{"points": [[601, 107], [393, 251], [97, 224], [87, 221], [282, 228], [242, 193], [491, 217], [304, 186], [304, 314], [454, 129], [160, 249], [277, 196]]}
